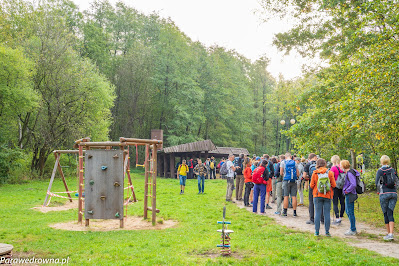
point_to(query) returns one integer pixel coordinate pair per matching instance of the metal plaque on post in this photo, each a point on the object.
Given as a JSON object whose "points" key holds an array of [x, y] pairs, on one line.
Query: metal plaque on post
{"points": [[104, 184]]}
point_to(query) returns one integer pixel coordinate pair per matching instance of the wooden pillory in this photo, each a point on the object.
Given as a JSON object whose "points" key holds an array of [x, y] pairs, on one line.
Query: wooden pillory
{"points": [[84, 152]]}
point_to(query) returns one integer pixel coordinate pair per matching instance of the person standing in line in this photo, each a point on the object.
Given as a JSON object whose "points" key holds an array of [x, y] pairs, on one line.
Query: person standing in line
{"points": [[349, 190], [230, 177], [300, 181], [182, 172], [338, 197], [260, 177], [239, 177], [222, 161], [359, 162], [200, 171], [274, 178], [289, 171], [307, 175], [190, 168], [279, 186], [322, 183], [386, 182], [212, 168], [248, 181]]}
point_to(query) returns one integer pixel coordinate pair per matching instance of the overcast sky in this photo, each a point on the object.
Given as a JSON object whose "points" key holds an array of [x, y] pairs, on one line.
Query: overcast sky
{"points": [[228, 23]]}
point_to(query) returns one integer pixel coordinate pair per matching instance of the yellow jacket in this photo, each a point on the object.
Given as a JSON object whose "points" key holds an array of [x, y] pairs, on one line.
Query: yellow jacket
{"points": [[183, 169]]}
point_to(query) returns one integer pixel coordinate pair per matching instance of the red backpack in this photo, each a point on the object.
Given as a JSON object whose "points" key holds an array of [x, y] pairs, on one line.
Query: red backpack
{"points": [[257, 177]]}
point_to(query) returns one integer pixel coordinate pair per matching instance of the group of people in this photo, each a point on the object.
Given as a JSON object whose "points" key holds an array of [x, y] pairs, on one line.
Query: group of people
{"points": [[195, 167], [278, 179]]}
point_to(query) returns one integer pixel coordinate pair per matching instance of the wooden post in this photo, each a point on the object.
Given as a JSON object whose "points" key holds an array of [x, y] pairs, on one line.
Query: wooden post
{"points": [[165, 165], [57, 155], [172, 165], [80, 203], [147, 171], [51, 180], [154, 184], [159, 167]]}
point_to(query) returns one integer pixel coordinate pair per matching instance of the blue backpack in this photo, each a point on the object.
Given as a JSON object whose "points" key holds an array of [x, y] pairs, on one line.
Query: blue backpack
{"points": [[277, 169], [312, 167], [290, 171]]}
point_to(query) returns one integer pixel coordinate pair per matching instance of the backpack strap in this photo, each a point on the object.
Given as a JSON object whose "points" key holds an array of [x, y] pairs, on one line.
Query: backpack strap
{"points": [[339, 170]]}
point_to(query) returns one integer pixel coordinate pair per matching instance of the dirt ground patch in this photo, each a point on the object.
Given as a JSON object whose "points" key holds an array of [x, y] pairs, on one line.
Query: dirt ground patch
{"points": [[390, 249], [131, 223], [214, 255], [67, 206]]}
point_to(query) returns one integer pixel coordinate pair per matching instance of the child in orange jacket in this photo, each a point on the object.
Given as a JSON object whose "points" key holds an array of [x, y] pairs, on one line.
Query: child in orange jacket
{"points": [[248, 181]]}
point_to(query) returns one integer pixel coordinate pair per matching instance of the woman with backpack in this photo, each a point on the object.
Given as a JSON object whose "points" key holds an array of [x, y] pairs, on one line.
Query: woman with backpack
{"points": [[350, 193], [338, 194], [248, 181], [260, 177], [322, 183], [385, 182]]}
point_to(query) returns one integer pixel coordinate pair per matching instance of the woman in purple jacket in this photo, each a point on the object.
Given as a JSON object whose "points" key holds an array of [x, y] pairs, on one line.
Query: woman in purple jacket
{"points": [[349, 191]]}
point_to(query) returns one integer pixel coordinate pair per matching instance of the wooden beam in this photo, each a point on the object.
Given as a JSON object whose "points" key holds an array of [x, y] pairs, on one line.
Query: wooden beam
{"points": [[150, 209], [51, 180], [106, 143], [62, 175], [145, 141]]}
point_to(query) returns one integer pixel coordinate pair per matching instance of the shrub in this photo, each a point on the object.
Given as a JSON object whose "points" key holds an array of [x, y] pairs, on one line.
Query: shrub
{"points": [[14, 165]]}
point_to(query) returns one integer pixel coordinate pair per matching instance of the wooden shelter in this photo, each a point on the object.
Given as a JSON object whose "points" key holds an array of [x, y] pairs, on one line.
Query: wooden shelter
{"points": [[199, 149]]}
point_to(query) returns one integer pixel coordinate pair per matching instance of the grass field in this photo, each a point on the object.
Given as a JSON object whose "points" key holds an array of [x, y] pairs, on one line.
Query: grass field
{"points": [[257, 239]]}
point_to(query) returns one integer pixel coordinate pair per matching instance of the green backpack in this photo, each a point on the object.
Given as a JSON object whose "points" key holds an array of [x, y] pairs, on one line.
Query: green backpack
{"points": [[323, 183]]}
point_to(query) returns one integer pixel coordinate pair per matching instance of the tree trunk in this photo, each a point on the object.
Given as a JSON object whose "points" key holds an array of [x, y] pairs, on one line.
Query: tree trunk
{"points": [[353, 157]]}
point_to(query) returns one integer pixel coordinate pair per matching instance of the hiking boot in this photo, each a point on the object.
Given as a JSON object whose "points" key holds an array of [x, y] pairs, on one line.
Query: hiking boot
{"points": [[388, 237], [350, 233], [309, 222], [284, 214], [328, 234], [268, 207], [316, 234], [295, 215]]}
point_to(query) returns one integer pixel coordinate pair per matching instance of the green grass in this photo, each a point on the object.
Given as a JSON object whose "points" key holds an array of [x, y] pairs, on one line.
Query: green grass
{"points": [[256, 240]]}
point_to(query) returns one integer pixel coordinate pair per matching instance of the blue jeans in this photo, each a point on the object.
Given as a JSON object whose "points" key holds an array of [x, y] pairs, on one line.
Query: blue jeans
{"points": [[322, 205], [259, 189], [182, 180], [201, 177], [350, 211]]}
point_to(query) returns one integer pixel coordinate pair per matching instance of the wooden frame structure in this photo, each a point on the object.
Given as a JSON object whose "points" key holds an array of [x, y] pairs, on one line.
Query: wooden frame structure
{"points": [[199, 149], [150, 165]]}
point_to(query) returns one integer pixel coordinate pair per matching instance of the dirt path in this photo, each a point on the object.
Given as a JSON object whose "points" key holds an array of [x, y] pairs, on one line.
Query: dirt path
{"points": [[390, 249]]}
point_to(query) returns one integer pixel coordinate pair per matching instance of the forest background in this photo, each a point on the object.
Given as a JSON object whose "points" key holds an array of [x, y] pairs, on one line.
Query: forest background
{"points": [[112, 71]]}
